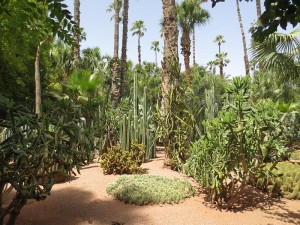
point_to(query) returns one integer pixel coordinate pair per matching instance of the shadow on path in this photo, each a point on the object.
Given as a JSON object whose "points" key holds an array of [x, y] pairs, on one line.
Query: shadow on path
{"points": [[72, 206]]}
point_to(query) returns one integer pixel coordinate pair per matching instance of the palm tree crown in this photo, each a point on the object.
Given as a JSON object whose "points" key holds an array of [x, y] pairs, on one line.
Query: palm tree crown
{"points": [[138, 28], [219, 40]]}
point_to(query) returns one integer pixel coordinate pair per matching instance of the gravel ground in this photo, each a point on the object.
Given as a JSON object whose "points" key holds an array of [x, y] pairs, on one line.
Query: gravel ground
{"points": [[83, 200]]}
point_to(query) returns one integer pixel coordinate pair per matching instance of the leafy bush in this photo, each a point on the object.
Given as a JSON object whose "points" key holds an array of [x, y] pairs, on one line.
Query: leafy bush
{"points": [[149, 189], [286, 183], [118, 161], [236, 145]]}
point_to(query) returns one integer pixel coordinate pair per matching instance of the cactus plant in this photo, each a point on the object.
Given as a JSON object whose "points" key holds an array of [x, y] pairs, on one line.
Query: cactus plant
{"points": [[211, 109], [287, 182], [135, 126]]}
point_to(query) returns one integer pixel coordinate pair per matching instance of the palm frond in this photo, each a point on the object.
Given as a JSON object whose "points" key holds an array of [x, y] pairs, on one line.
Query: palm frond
{"points": [[279, 53]]}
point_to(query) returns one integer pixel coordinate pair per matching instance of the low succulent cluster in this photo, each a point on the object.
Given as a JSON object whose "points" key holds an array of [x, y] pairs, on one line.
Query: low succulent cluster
{"points": [[149, 189], [286, 183]]}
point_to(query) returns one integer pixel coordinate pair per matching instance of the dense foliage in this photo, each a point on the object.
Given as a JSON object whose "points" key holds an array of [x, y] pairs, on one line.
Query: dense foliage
{"points": [[231, 134], [150, 189], [236, 145]]}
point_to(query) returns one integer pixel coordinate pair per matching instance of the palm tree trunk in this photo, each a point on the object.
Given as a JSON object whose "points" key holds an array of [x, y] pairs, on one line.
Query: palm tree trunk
{"points": [[258, 9], [37, 79], [124, 48], [194, 47], [185, 49], [170, 34], [246, 60], [77, 34], [156, 58], [170, 66], [221, 69], [115, 75], [258, 12], [139, 49]]}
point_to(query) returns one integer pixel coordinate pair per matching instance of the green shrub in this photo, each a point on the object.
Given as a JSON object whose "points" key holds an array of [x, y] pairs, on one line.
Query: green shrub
{"points": [[149, 189], [286, 183], [295, 155], [118, 161], [236, 146]]}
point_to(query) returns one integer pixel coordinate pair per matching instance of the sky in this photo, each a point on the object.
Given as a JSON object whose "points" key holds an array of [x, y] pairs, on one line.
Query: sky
{"points": [[99, 29]]}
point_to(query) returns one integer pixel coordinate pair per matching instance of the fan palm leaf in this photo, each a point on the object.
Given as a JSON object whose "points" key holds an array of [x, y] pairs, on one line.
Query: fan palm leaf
{"points": [[279, 53]]}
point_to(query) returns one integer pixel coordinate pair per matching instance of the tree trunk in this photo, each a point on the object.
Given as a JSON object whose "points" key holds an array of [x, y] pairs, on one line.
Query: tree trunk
{"points": [[37, 79], [221, 69], [194, 47], [19, 203], [77, 34], [170, 65], [258, 12], [124, 48], [246, 60], [156, 58], [139, 49], [115, 72], [186, 51], [258, 9]]}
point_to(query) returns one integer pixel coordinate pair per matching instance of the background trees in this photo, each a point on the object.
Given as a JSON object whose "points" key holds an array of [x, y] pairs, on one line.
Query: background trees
{"points": [[189, 14]]}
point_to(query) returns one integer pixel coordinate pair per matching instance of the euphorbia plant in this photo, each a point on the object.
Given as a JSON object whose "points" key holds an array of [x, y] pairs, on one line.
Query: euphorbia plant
{"points": [[236, 146]]}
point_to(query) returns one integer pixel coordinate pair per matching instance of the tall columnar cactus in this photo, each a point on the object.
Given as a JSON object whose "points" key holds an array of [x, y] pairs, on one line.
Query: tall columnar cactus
{"points": [[211, 109], [135, 125]]}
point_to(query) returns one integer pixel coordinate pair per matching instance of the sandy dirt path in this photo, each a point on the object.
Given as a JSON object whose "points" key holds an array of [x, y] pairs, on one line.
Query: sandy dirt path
{"points": [[83, 200]]}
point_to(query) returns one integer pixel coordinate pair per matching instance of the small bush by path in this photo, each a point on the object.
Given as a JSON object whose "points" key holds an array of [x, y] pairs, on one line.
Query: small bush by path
{"points": [[286, 183], [295, 155], [149, 189]]}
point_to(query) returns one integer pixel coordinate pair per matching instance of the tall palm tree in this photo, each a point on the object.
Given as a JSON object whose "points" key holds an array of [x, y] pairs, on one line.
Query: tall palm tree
{"points": [[198, 23], [219, 40], [138, 28], [155, 48], [115, 72], [246, 59], [77, 34], [189, 14], [280, 54], [124, 48], [222, 61]]}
